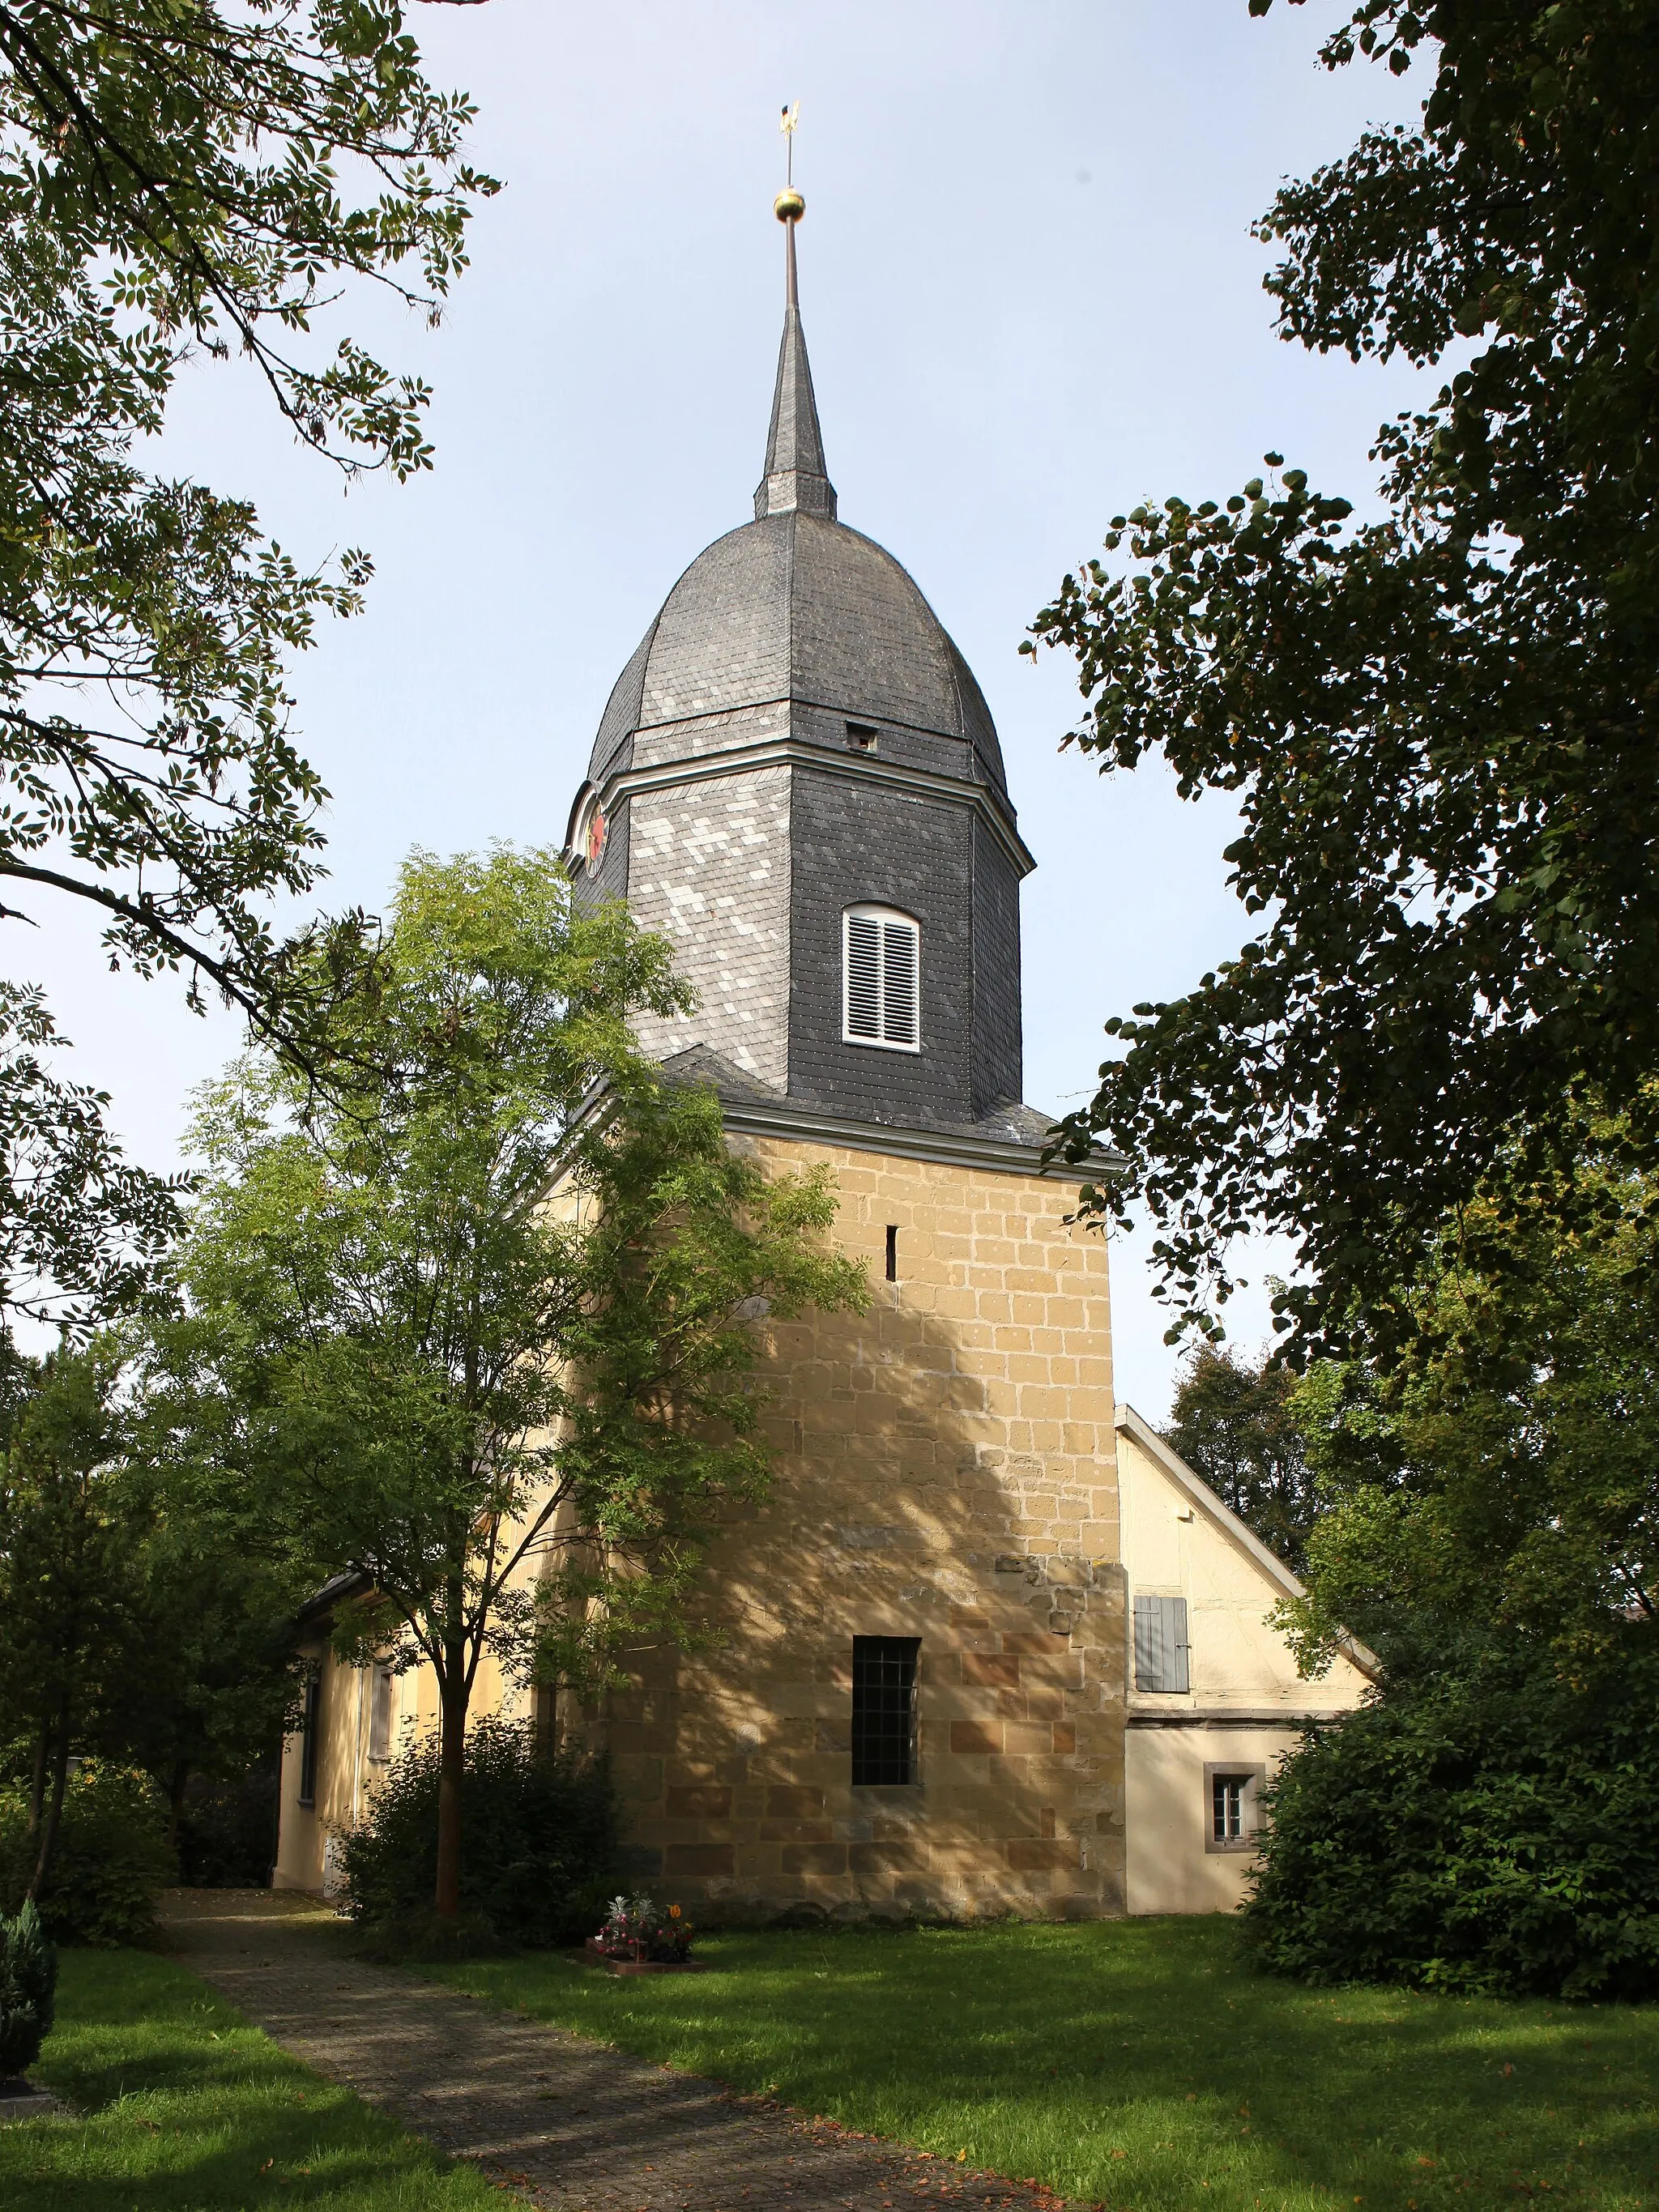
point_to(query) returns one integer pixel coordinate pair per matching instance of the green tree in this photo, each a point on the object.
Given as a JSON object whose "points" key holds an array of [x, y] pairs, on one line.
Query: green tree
{"points": [[183, 184], [1500, 1478], [1491, 1529], [1439, 726], [1232, 1421], [483, 1323], [213, 1613], [81, 1228], [70, 1616]]}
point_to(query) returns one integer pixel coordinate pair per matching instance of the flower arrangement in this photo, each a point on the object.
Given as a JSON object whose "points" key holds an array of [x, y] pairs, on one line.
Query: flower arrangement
{"points": [[635, 1929]]}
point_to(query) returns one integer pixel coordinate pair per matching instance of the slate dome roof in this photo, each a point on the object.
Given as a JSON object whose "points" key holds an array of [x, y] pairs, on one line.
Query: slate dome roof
{"points": [[795, 606]]}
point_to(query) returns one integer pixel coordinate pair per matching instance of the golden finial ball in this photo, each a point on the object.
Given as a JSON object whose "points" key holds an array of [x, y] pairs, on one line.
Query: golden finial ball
{"points": [[789, 206]]}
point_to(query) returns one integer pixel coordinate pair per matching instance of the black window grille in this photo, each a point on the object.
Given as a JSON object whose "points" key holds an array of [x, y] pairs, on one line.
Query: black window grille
{"points": [[883, 1709], [308, 1741]]}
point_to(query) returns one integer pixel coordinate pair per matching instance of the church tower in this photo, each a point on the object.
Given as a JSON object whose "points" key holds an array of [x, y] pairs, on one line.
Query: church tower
{"points": [[916, 1705], [917, 1699], [798, 782]]}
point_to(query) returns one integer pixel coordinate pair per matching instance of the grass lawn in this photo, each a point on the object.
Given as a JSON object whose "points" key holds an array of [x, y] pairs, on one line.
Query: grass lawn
{"points": [[185, 2108], [1140, 2064]]}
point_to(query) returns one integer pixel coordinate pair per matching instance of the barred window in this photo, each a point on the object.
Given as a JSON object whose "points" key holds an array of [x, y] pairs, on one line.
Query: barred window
{"points": [[883, 1709], [881, 970]]}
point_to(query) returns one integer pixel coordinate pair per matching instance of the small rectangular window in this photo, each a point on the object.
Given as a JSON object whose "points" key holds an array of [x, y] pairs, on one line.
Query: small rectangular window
{"points": [[883, 1709], [1231, 1803], [308, 1717], [1160, 1651], [861, 737], [380, 1715], [892, 1252]]}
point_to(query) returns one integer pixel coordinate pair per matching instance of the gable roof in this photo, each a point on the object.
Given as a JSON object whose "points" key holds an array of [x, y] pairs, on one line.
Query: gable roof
{"points": [[1193, 1486]]}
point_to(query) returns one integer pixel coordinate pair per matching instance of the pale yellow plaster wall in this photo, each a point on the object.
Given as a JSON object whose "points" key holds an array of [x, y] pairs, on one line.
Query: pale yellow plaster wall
{"points": [[1169, 1867], [1246, 1697], [347, 1776], [303, 1860]]}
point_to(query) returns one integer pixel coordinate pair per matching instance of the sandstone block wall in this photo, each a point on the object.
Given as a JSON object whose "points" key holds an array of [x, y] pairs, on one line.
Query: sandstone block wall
{"points": [[946, 1473]]}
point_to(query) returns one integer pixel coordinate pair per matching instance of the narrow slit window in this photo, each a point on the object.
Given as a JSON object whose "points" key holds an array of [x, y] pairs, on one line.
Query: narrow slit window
{"points": [[309, 1740], [883, 1709], [892, 1252], [881, 967], [380, 1715]]}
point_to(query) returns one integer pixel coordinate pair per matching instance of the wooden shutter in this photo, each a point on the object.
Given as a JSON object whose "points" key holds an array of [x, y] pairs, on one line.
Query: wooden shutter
{"points": [[899, 942], [1175, 1615], [864, 977], [1161, 1650]]}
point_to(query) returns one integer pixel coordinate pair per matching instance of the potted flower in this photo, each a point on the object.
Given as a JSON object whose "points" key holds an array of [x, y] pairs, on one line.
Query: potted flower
{"points": [[638, 1938]]}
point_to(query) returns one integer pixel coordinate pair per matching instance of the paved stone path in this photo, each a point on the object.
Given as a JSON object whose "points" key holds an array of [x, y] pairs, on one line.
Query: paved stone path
{"points": [[562, 2122]]}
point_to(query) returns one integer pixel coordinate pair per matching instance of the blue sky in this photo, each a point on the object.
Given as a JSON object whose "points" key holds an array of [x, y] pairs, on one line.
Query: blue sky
{"points": [[1031, 298]]}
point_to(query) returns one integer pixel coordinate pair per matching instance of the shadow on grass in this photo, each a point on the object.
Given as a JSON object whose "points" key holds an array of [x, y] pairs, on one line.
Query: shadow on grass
{"points": [[181, 2103], [1145, 2064]]}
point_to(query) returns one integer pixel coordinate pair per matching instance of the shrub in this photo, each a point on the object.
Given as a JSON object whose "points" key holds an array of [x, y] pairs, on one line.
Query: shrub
{"points": [[227, 1832], [538, 1841], [111, 1859], [1496, 1832], [28, 1981]]}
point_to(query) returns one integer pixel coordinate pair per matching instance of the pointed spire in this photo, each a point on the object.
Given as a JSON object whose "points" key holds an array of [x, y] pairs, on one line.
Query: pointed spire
{"points": [[794, 476]]}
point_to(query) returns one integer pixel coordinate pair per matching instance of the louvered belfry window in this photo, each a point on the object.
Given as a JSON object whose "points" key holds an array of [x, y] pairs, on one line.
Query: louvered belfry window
{"points": [[881, 961]]}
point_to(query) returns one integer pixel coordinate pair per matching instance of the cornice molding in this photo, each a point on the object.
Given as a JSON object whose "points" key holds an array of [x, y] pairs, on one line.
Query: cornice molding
{"points": [[947, 1147], [799, 752], [1233, 1716]]}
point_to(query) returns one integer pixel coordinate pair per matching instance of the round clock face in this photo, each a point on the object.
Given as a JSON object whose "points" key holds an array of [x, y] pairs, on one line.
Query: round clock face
{"points": [[597, 828]]}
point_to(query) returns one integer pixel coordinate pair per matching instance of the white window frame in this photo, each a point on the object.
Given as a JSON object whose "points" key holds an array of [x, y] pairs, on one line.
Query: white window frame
{"points": [[1251, 1781], [885, 918]]}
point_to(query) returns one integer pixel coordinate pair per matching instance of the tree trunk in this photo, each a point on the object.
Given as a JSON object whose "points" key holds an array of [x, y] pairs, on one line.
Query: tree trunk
{"points": [[53, 1820], [37, 1780], [176, 1804], [454, 1694], [450, 1764]]}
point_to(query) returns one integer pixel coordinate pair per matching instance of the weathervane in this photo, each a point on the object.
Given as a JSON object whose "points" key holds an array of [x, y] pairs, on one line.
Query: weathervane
{"points": [[789, 206]]}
